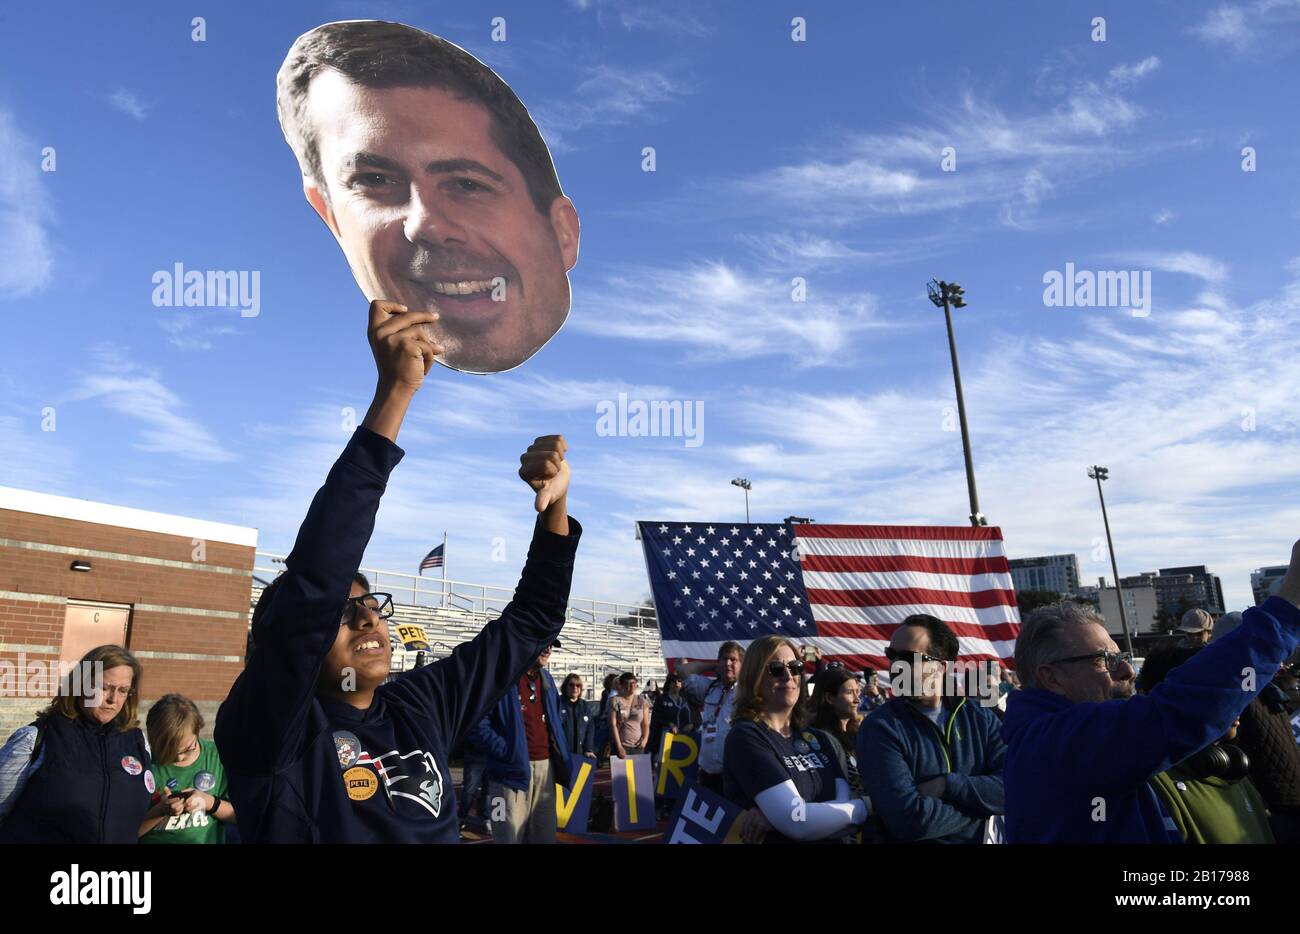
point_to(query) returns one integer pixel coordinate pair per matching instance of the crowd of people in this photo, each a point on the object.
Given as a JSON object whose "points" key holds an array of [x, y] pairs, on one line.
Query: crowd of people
{"points": [[317, 742]]}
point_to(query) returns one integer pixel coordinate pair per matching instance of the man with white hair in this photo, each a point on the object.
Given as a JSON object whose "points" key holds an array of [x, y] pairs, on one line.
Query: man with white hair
{"points": [[1081, 748]]}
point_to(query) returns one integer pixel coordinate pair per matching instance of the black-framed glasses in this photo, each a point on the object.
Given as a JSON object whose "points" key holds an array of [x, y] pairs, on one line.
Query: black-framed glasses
{"points": [[895, 655], [777, 669], [1112, 659], [380, 603]]}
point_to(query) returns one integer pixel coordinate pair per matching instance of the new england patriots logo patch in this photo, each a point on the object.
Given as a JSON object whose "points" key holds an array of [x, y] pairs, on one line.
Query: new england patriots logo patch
{"points": [[424, 785]]}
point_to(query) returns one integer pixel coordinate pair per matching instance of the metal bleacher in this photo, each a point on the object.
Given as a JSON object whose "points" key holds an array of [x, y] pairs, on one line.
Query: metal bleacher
{"points": [[599, 637]]}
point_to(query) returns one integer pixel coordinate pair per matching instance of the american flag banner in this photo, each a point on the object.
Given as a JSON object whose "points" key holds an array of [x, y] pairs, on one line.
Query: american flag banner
{"points": [[713, 582], [841, 588], [863, 580], [433, 559]]}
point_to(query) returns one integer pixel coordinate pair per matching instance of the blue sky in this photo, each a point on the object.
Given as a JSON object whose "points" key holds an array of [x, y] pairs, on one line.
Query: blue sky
{"points": [[775, 159]]}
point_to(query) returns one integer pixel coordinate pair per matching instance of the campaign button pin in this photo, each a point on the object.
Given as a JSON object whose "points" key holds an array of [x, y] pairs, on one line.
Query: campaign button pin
{"points": [[173, 784], [205, 781], [148, 781], [348, 748], [360, 783], [132, 765]]}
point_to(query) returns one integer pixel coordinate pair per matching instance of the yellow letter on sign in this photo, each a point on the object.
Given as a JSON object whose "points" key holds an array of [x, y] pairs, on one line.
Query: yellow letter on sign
{"points": [[563, 807], [679, 765]]}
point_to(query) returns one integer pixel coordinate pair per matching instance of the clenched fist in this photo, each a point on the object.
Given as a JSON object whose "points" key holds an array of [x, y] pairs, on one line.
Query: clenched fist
{"points": [[544, 468]]}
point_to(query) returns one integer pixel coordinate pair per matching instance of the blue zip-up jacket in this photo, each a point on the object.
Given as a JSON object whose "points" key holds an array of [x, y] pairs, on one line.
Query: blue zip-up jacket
{"points": [[898, 748], [1078, 773], [500, 736], [578, 721], [308, 769]]}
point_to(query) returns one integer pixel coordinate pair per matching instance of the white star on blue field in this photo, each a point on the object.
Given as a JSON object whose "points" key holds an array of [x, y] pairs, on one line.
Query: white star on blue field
{"points": [[784, 170]]}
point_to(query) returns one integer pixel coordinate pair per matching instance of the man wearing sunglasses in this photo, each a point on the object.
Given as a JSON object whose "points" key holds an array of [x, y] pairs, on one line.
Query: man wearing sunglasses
{"points": [[931, 764], [1081, 748], [317, 747]]}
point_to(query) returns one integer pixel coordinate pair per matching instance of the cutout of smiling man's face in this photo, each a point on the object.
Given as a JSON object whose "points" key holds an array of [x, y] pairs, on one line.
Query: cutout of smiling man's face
{"points": [[432, 213]]}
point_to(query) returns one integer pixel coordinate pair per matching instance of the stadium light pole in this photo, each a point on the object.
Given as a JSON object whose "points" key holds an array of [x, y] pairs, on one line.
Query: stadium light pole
{"points": [[948, 295], [746, 486], [1099, 474]]}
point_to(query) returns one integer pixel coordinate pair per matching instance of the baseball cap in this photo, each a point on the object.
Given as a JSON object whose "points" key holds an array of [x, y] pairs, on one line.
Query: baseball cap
{"points": [[1195, 621]]}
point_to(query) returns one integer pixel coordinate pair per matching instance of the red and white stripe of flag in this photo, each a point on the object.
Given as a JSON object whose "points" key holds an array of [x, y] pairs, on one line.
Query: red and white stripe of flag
{"points": [[863, 580]]}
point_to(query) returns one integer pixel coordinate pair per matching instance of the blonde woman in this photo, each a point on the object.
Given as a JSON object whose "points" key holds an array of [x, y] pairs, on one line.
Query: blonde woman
{"points": [[80, 772], [189, 780], [774, 763]]}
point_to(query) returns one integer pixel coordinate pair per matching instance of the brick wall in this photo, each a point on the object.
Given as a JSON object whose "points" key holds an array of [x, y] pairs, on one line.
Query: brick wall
{"points": [[16, 712], [187, 609]]}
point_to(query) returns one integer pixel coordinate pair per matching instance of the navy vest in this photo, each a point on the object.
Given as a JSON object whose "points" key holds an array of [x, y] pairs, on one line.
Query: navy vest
{"points": [[90, 787]]}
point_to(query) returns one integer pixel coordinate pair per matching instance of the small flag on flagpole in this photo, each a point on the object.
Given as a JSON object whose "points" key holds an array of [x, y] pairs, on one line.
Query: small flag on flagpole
{"points": [[433, 559]]}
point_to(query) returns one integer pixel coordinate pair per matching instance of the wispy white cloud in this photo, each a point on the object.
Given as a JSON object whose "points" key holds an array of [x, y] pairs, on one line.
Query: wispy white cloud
{"points": [[1162, 216], [1013, 162], [609, 95], [132, 390], [1193, 437], [674, 18], [37, 455], [129, 104], [1228, 25], [515, 403], [1193, 264], [188, 329], [25, 214], [681, 22], [717, 311], [1123, 75], [805, 251], [1242, 27]]}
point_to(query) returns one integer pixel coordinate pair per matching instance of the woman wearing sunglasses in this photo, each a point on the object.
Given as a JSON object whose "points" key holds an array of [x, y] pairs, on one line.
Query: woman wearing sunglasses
{"points": [[189, 780], [775, 764], [80, 773]]}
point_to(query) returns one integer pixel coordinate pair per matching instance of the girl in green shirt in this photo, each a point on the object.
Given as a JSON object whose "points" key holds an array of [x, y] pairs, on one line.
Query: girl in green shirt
{"points": [[189, 783]]}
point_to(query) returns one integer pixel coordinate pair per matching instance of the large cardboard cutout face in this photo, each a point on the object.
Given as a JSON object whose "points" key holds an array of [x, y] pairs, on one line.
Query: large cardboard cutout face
{"points": [[435, 182]]}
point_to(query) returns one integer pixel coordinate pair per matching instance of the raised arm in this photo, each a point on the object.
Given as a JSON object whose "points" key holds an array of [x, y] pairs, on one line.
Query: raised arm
{"points": [[261, 724], [1117, 744], [458, 691]]}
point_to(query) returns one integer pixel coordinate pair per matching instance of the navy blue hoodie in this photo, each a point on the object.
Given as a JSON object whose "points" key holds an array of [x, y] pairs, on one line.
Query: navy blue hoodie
{"points": [[305, 768], [1078, 773]]}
